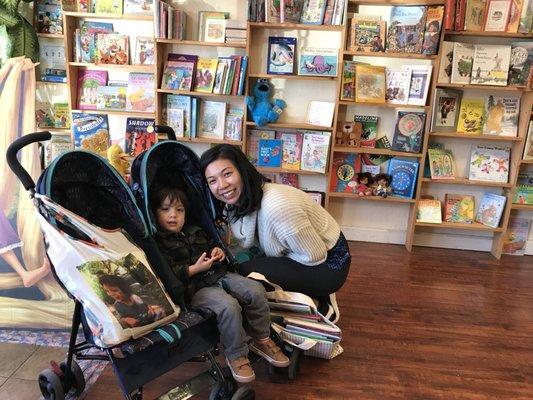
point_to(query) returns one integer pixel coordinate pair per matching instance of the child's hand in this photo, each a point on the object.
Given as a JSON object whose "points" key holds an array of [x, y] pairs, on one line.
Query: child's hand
{"points": [[217, 254], [203, 263]]}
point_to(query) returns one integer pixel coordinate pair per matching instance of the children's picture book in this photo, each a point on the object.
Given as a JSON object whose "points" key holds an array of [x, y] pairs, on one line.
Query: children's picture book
{"points": [[463, 56], [138, 7], [406, 29], [320, 113], [293, 10], [446, 110], [367, 34], [315, 149], [497, 15], [446, 63], [178, 114], [90, 132], [53, 61], [490, 209], [318, 61], [107, 6], [281, 53], [111, 98], [140, 135], [404, 173], [61, 115], [459, 208], [112, 48], [441, 163], [252, 143], [524, 188], [44, 114], [88, 39], [288, 178], [528, 148], [526, 17], [212, 119], [471, 116], [409, 131], [369, 129], [434, 17], [206, 71], [292, 149], [233, 124], [514, 16], [49, 18], [203, 16], [214, 30], [420, 80], [175, 118], [141, 92], [501, 115], [313, 12], [270, 151], [398, 82], [348, 81], [474, 14], [144, 51], [520, 64], [179, 72], [344, 172], [489, 163], [88, 83], [490, 65], [429, 211], [273, 11], [369, 84], [515, 240], [56, 146]]}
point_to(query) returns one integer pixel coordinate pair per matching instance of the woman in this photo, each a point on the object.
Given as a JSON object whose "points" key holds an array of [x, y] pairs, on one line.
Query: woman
{"points": [[305, 251]]}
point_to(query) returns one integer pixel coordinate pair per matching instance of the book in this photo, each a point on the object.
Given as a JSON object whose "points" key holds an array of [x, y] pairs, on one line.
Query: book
{"points": [[175, 118], [446, 61], [206, 70], [215, 30], [269, 153], [459, 208], [528, 148], [369, 129], [501, 115], [53, 61], [293, 10], [317, 197], [429, 211], [140, 95], [273, 13], [398, 82], [471, 116], [490, 65], [44, 114], [281, 52], [287, 178], [497, 15], [318, 61], [526, 17], [516, 236], [313, 12], [88, 83], [490, 209], [320, 113], [111, 98], [138, 7], [202, 19], [179, 72], [441, 163], [463, 56], [406, 29], [514, 16], [90, 132], [144, 51], [404, 173], [315, 149], [409, 131], [140, 135], [524, 188], [233, 125], [520, 63], [446, 107], [61, 115], [57, 145], [434, 17], [348, 81], [420, 80], [474, 14], [252, 144], [367, 34], [49, 19], [112, 48], [292, 149], [178, 114], [489, 163], [369, 84], [88, 39], [107, 7], [212, 119]]}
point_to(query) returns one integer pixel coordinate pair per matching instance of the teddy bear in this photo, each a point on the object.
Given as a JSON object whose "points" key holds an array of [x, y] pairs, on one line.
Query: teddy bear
{"points": [[264, 109]]}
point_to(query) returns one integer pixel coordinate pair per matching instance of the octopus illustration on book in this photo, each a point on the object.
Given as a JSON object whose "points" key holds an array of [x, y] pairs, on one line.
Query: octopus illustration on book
{"points": [[318, 65]]}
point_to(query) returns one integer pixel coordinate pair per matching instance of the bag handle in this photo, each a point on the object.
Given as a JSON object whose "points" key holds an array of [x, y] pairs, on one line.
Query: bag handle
{"points": [[306, 344]]}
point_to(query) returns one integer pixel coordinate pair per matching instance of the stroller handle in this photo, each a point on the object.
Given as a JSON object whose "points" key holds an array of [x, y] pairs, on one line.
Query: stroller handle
{"points": [[165, 129], [13, 162]]}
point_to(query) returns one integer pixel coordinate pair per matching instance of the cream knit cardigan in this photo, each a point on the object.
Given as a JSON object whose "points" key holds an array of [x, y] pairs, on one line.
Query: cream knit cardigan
{"points": [[289, 223]]}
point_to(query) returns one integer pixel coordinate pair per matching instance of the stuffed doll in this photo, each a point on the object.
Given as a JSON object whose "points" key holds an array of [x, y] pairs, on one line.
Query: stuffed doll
{"points": [[382, 187], [365, 182], [117, 158], [264, 110]]}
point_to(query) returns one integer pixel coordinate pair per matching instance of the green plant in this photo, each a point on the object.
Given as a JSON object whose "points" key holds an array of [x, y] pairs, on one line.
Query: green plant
{"points": [[21, 32]]}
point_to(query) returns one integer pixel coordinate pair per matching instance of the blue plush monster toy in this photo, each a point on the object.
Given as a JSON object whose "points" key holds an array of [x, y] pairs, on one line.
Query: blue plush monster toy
{"points": [[263, 109]]}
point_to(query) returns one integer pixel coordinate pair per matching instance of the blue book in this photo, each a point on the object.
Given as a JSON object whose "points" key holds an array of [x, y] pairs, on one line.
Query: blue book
{"points": [[281, 51], [403, 174], [178, 102], [244, 62], [194, 116], [269, 153]]}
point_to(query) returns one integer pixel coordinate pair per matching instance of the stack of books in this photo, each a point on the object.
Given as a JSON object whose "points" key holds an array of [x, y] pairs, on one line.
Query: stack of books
{"points": [[235, 32]]}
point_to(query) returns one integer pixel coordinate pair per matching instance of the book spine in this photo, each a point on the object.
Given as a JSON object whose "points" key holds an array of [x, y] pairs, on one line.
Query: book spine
{"points": [[242, 75], [449, 15], [460, 10]]}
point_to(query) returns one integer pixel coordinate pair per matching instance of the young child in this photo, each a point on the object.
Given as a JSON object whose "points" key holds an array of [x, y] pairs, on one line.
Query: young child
{"points": [[197, 263]]}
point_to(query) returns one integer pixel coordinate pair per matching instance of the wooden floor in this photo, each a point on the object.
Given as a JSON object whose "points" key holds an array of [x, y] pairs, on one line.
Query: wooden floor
{"points": [[432, 324]]}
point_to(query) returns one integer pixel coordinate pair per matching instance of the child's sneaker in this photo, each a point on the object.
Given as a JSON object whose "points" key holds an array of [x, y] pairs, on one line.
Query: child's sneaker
{"points": [[241, 369], [270, 352]]}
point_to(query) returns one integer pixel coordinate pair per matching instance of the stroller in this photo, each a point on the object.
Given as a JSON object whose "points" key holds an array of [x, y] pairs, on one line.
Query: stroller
{"points": [[85, 186]]}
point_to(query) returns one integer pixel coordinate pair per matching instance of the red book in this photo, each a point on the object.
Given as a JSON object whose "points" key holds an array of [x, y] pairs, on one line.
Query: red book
{"points": [[460, 11], [449, 15], [235, 85]]}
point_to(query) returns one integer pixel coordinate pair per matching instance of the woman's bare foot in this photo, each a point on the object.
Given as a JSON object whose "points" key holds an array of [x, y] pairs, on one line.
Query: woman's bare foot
{"points": [[30, 278]]}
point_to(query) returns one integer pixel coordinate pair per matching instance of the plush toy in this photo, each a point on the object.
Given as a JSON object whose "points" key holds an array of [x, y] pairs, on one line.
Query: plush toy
{"points": [[382, 187], [264, 109], [117, 158], [365, 182]]}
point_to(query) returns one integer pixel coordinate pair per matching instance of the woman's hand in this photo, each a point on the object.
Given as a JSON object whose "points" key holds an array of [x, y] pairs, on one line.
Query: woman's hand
{"points": [[217, 254]]}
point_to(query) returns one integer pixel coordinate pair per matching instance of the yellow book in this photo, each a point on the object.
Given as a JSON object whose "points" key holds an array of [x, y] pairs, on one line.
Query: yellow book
{"points": [[369, 84], [206, 70], [108, 7], [471, 116]]}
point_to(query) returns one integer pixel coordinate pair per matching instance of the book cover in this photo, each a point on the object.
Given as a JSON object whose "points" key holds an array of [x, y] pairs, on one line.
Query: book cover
{"points": [[520, 63], [287, 178], [140, 94], [90, 132], [233, 126], [88, 38], [175, 104], [497, 15], [318, 61], [446, 107], [281, 51], [429, 211], [369, 129], [138, 7], [474, 14], [371, 169], [107, 7], [202, 18], [52, 59], [459, 208], [463, 56], [398, 82], [61, 115], [524, 188], [434, 17], [460, 12], [269, 153], [367, 35], [489, 163], [441, 163], [313, 12], [253, 143], [111, 98], [344, 172], [409, 131], [44, 114], [446, 62], [490, 65], [206, 70], [501, 115], [112, 48], [57, 145], [490, 209], [369, 84], [471, 116], [514, 16], [144, 51], [317, 197], [175, 118], [348, 81], [515, 240], [214, 30], [528, 148], [49, 19], [88, 83], [140, 135], [406, 29], [315, 149], [404, 173], [526, 17], [292, 149], [420, 80], [212, 119], [273, 11], [320, 113], [178, 75]]}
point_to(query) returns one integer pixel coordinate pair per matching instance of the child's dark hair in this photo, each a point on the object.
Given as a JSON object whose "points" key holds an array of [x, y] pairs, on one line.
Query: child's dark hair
{"points": [[363, 175], [387, 178], [116, 281], [159, 194], [252, 180]]}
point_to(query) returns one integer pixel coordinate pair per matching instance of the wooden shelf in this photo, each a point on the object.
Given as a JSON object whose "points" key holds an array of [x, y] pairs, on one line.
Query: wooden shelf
{"points": [[198, 94], [288, 171], [109, 16], [311, 78], [526, 162], [468, 182], [163, 136], [527, 207], [140, 68], [388, 55], [51, 35], [484, 87], [389, 199], [53, 129], [288, 125], [125, 113], [289, 26], [199, 43], [52, 83], [396, 2], [490, 34], [475, 226], [458, 135], [370, 150], [383, 105]]}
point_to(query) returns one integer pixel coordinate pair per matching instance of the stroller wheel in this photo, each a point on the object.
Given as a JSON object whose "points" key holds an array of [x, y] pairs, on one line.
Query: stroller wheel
{"points": [[50, 385], [78, 382], [243, 393]]}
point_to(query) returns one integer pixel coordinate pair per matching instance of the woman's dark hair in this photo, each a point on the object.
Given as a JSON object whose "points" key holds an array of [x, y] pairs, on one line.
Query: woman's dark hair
{"points": [[252, 180], [160, 194], [116, 281]]}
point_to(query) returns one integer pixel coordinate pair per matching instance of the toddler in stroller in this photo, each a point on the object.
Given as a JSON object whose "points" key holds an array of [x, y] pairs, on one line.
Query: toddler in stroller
{"points": [[79, 197]]}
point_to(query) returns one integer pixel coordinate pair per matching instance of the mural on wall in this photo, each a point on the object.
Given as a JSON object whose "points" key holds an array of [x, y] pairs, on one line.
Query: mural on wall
{"points": [[29, 295]]}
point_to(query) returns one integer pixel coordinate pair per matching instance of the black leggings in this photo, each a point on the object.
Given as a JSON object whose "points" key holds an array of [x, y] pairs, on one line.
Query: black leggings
{"points": [[315, 281]]}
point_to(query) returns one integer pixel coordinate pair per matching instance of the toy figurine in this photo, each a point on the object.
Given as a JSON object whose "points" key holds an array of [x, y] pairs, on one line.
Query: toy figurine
{"points": [[382, 187], [365, 182], [118, 159], [263, 108]]}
